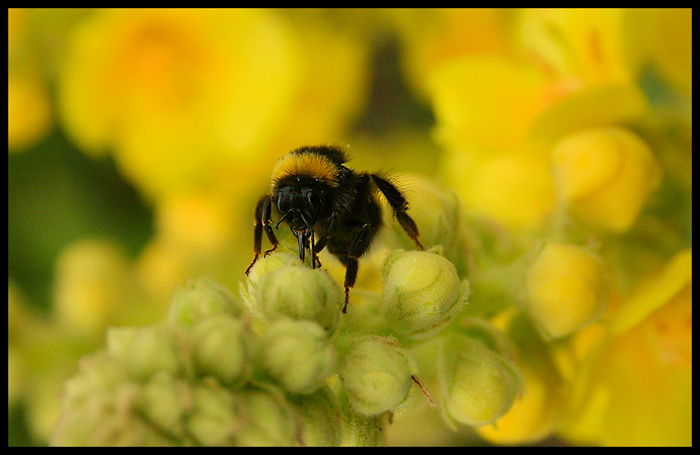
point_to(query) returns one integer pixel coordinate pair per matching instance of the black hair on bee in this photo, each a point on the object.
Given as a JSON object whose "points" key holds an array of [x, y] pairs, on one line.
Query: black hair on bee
{"points": [[329, 205]]}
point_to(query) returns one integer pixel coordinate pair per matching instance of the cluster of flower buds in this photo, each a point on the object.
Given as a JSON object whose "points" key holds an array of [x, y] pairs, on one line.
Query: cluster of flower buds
{"points": [[282, 365]]}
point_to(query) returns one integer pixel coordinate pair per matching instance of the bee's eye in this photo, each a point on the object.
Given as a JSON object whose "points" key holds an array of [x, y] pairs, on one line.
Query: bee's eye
{"points": [[313, 199], [284, 200]]}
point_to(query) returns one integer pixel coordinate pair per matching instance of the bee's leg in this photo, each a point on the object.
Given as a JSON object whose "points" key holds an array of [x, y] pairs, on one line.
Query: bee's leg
{"points": [[323, 239], [350, 276], [358, 247], [399, 205], [263, 211]]}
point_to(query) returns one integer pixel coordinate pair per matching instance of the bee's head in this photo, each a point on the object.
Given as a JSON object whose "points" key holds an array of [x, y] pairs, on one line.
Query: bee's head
{"points": [[299, 206]]}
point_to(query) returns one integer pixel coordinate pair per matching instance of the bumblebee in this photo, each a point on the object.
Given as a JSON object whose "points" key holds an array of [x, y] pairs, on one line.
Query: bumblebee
{"points": [[327, 204]]}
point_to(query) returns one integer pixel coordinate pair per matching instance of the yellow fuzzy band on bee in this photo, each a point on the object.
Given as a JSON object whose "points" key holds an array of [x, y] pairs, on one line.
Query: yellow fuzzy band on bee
{"points": [[306, 164]]}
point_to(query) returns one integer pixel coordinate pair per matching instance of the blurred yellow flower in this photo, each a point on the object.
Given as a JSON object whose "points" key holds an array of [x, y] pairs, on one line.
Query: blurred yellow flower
{"points": [[636, 387], [191, 97], [497, 115], [533, 416], [485, 108], [513, 188], [92, 282], [174, 93], [566, 289], [605, 175], [28, 111], [434, 36], [197, 222], [28, 105], [583, 43], [488, 101], [332, 87], [662, 37]]}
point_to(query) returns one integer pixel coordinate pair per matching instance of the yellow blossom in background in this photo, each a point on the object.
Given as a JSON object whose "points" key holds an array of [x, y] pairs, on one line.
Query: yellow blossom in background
{"points": [[198, 222], [566, 289], [332, 85], [177, 93], [191, 97], [662, 37], [91, 284], [486, 101], [514, 189], [28, 111], [606, 175], [485, 107], [636, 386], [584, 44], [432, 37], [494, 106], [28, 105]]}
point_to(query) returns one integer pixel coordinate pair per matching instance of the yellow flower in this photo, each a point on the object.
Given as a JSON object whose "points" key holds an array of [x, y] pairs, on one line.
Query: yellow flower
{"points": [[532, 417], [333, 83], [514, 188], [28, 112], [91, 286], [663, 37], [585, 43], [176, 92], [485, 108], [487, 101], [432, 37], [198, 223], [636, 388], [566, 289], [28, 106], [606, 175], [537, 412]]}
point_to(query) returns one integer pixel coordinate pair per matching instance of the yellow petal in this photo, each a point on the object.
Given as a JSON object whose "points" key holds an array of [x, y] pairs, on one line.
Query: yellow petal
{"points": [[654, 293]]}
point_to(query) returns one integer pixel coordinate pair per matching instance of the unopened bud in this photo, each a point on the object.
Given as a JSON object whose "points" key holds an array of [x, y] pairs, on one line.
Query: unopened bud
{"points": [[421, 291], [299, 292], [268, 419], [606, 175], [376, 376], [200, 299], [144, 351], [223, 349], [298, 355], [566, 289], [321, 422], [478, 384], [213, 420]]}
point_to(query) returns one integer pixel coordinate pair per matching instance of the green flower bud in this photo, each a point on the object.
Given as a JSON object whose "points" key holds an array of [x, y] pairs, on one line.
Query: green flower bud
{"points": [[376, 376], [298, 355], [478, 384], [214, 420], [102, 407], [144, 351], [269, 419], [222, 348], [200, 299], [440, 218], [421, 292], [265, 265], [166, 402], [319, 414], [300, 293]]}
